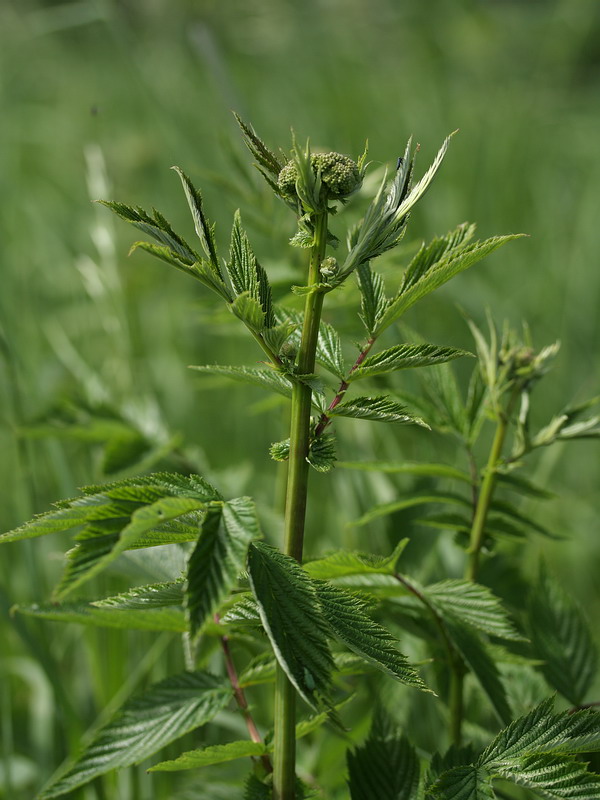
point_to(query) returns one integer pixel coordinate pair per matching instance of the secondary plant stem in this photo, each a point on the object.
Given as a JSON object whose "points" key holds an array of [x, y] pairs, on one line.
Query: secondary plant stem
{"points": [[240, 698], [325, 419], [284, 739], [482, 506]]}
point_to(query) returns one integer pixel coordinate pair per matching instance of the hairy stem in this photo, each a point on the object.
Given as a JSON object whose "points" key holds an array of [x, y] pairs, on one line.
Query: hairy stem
{"points": [[284, 740]]}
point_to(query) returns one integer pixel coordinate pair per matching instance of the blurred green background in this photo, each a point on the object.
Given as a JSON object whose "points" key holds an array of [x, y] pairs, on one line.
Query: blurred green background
{"points": [[99, 99]]}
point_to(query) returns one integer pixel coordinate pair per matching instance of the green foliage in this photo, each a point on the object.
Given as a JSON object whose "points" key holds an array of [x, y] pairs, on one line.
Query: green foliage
{"points": [[254, 612], [346, 616], [405, 356], [377, 409], [218, 558], [217, 754], [292, 617], [561, 638], [386, 766], [535, 751], [167, 711]]}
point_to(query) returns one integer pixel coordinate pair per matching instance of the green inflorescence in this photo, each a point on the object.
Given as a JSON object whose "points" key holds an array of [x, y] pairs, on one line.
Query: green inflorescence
{"points": [[340, 175]]}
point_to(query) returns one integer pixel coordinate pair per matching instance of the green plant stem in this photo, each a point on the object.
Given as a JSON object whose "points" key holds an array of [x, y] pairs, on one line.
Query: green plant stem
{"points": [[284, 740], [486, 492], [482, 506], [454, 662]]}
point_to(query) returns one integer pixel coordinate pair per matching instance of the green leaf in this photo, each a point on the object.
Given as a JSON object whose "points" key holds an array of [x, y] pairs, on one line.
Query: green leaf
{"points": [[473, 605], [155, 226], [97, 547], [535, 751], [329, 350], [218, 558], [267, 378], [321, 454], [561, 637], [249, 310], [452, 264], [474, 652], [430, 254], [147, 597], [523, 485], [465, 783], [204, 230], [268, 163], [540, 731], [170, 618], [379, 409], [147, 723], [112, 502], [345, 562], [246, 274], [405, 356], [373, 301], [384, 509], [291, 615], [346, 615], [217, 754], [385, 767]]}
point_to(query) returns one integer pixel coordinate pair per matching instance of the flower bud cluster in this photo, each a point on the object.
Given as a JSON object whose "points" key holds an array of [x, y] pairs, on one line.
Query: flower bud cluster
{"points": [[340, 175]]}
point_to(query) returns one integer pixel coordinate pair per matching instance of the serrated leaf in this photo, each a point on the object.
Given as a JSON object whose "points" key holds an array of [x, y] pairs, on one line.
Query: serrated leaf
{"points": [[378, 409], [269, 165], [157, 227], [147, 723], [98, 547], [291, 615], [247, 275], [534, 751], [169, 618], [430, 254], [524, 485], [373, 301], [218, 558], [385, 767], [216, 754], [204, 229], [345, 562], [465, 783], [321, 454], [346, 615], [330, 350], [144, 598], [267, 378], [561, 637], [473, 650], [452, 264], [405, 356], [249, 310], [473, 605]]}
